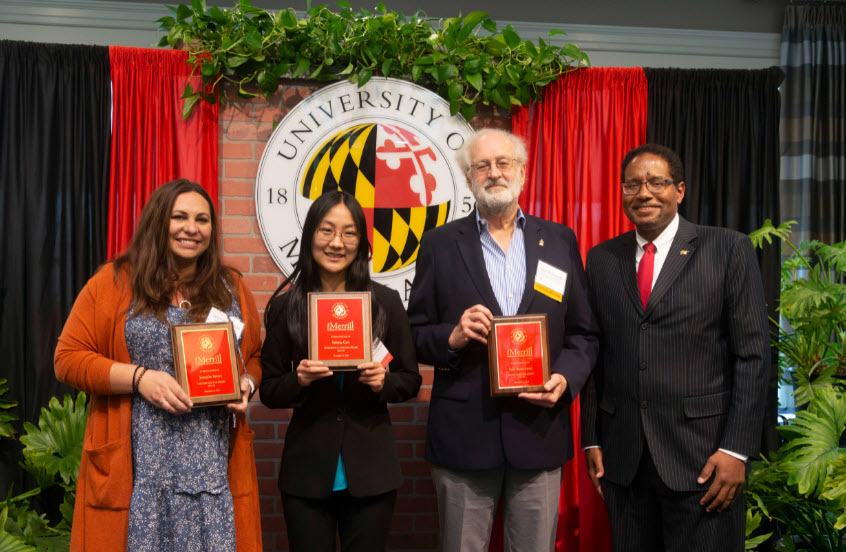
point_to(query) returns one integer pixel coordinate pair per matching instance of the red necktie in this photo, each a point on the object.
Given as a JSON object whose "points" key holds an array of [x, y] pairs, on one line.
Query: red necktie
{"points": [[644, 272]]}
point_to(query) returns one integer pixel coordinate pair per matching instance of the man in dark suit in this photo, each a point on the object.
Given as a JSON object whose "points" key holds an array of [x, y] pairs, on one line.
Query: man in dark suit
{"points": [[494, 262], [675, 406]]}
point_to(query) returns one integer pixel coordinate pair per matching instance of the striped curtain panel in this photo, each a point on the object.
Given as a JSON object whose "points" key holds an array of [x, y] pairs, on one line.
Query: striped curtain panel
{"points": [[813, 120]]}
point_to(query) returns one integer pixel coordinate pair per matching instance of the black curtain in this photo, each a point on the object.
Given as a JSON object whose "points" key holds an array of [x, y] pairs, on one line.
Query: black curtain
{"points": [[724, 124], [54, 185]]}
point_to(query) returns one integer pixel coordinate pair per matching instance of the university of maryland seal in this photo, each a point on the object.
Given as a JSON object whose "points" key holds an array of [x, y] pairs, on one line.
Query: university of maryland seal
{"points": [[206, 343], [391, 144], [518, 336], [339, 311]]}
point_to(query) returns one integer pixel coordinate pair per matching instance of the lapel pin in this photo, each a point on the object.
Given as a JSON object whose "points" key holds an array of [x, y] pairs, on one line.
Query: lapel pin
{"points": [[684, 251], [540, 243]]}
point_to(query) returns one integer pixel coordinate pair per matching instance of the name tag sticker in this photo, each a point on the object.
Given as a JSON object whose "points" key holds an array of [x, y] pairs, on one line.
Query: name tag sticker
{"points": [[238, 325], [381, 353], [217, 315], [550, 281]]}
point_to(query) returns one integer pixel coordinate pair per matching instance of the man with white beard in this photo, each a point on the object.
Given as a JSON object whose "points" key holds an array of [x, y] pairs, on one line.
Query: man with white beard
{"points": [[498, 261]]}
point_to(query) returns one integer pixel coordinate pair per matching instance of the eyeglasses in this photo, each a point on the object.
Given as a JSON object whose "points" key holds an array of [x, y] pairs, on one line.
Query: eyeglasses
{"points": [[654, 185], [484, 167], [326, 235]]}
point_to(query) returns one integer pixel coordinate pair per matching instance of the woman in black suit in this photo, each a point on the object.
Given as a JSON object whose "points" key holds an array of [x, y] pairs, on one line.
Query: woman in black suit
{"points": [[340, 469]]}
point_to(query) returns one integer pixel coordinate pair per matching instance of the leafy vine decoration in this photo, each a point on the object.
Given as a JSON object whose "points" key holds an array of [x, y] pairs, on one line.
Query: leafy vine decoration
{"points": [[466, 59]]}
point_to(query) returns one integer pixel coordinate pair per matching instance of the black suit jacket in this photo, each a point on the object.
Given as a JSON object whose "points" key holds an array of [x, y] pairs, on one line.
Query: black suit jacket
{"points": [[328, 420], [468, 429], [687, 376]]}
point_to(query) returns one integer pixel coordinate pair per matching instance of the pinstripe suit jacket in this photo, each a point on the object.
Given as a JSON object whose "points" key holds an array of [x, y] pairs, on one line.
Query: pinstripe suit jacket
{"points": [[468, 429], [688, 374]]}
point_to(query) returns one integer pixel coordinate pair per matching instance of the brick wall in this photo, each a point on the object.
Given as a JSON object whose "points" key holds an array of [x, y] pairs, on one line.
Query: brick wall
{"points": [[245, 127]]}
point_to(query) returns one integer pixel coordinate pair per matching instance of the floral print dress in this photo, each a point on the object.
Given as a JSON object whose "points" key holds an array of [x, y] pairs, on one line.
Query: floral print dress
{"points": [[180, 495]]}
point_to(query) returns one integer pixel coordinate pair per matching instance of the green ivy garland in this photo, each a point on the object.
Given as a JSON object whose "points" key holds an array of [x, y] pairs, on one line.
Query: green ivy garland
{"points": [[246, 45]]}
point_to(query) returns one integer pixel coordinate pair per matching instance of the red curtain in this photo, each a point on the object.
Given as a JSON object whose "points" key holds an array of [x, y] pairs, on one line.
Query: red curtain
{"points": [[151, 143], [577, 137]]}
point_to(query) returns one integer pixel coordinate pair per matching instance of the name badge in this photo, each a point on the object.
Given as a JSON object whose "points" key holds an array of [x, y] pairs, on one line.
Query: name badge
{"points": [[550, 281], [217, 315]]}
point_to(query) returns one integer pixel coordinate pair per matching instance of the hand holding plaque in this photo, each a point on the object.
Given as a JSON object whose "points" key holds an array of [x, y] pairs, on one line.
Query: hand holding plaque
{"points": [[205, 364], [339, 329], [518, 354]]}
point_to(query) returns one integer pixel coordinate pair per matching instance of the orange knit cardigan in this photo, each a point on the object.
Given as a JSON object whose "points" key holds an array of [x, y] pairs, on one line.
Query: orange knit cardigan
{"points": [[91, 341]]}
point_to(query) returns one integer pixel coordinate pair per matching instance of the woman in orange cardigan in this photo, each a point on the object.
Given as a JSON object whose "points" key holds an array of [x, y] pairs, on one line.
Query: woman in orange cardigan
{"points": [[157, 474]]}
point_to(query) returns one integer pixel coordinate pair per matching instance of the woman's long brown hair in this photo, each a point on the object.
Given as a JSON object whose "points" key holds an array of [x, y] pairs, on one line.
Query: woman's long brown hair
{"points": [[153, 270]]}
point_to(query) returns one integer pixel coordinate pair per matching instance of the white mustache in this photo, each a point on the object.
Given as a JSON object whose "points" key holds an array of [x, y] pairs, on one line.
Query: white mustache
{"points": [[500, 182]]}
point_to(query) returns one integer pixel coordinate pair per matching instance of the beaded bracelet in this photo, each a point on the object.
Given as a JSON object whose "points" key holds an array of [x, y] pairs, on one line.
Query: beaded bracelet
{"points": [[137, 381], [134, 375]]}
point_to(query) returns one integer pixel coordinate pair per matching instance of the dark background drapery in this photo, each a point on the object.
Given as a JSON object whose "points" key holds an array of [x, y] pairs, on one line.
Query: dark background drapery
{"points": [[813, 120], [724, 125], [54, 177]]}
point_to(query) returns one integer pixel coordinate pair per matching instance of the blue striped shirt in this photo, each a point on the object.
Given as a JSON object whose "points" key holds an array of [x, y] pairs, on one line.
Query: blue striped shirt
{"points": [[506, 269]]}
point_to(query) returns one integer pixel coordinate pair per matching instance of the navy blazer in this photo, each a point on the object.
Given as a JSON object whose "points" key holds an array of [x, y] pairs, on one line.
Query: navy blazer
{"points": [[688, 374], [467, 428], [328, 420]]}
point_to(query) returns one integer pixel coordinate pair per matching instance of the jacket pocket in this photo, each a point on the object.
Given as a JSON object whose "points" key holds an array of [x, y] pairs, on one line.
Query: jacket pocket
{"points": [[449, 389], [108, 474], [707, 405], [242, 467]]}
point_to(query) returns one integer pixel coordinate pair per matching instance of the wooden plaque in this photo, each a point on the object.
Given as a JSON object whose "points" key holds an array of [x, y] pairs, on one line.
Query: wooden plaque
{"points": [[339, 329], [205, 362], [518, 354]]}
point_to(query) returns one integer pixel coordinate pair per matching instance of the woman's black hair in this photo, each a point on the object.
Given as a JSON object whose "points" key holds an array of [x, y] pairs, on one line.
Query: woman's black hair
{"points": [[306, 274]]}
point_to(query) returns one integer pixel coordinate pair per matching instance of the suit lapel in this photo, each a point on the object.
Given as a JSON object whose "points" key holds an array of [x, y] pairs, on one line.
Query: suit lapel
{"points": [[470, 248], [681, 251], [532, 237], [626, 258]]}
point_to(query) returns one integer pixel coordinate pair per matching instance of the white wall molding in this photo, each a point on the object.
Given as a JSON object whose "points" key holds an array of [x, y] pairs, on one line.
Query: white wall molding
{"points": [[640, 46], [81, 22], [83, 13], [132, 24]]}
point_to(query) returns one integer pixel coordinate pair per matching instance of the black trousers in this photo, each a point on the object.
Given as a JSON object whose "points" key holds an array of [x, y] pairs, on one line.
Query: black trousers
{"points": [[649, 516], [362, 523]]}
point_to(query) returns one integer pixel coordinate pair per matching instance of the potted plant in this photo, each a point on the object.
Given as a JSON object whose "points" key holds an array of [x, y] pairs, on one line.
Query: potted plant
{"points": [[801, 488], [52, 452]]}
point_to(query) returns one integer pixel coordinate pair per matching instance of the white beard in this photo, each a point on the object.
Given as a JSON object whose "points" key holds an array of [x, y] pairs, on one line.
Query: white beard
{"points": [[499, 202]]}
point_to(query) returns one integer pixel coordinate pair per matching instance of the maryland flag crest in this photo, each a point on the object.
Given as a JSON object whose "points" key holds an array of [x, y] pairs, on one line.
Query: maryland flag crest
{"points": [[391, 144], [385, 168]]}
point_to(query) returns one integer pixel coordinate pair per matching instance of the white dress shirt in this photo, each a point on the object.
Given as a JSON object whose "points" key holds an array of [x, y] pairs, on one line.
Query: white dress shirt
{"points": [[662, 246]]}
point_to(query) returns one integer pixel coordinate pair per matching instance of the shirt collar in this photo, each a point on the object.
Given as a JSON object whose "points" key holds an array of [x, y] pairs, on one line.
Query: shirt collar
{"points": [[482, 224], [664, 239]]}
